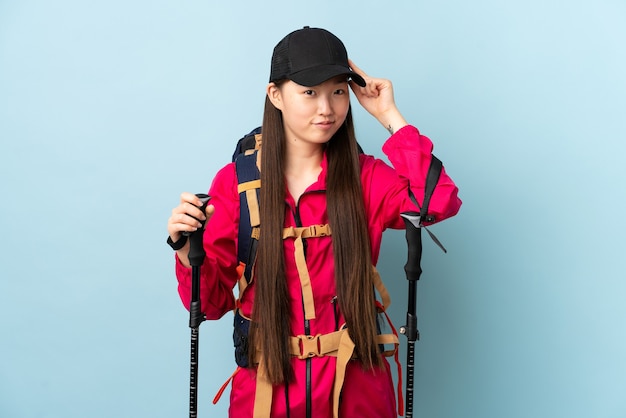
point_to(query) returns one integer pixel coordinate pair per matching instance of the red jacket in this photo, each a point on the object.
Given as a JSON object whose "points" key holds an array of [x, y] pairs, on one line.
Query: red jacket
{"points": [[364, 393]]}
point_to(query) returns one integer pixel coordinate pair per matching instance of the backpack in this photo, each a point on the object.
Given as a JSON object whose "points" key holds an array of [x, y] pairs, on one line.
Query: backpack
{"points": [[248, 177]]}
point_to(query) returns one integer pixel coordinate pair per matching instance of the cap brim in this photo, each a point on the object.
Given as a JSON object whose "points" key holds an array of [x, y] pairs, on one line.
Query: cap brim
{"points": [[317, 75]]}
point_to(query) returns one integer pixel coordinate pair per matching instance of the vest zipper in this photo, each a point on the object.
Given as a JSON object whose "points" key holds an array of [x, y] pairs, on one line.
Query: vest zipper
{"points": [[287, 400], [307, 325]]}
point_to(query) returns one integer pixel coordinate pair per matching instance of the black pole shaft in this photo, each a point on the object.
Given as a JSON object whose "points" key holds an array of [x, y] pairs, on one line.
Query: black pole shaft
{"points": [[412, 334], [193, 374], [410, 381], [413, 271], [195, 319], [196, 259]]}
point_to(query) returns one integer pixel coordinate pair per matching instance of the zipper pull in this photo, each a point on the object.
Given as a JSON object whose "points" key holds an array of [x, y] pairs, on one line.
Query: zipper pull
{"points": [[336, 312]]}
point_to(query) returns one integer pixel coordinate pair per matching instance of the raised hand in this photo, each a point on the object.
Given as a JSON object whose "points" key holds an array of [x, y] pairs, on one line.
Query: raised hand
{"points": [[378, 99]]}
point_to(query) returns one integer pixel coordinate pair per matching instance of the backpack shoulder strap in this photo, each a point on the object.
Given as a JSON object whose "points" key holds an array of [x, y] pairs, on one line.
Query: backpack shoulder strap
{"points": [[249, 183]]}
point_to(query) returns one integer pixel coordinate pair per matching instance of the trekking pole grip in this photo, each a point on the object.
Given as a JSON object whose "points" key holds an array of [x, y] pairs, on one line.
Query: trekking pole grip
{"points": [[414, 243], [196, 258], [196, 247]]}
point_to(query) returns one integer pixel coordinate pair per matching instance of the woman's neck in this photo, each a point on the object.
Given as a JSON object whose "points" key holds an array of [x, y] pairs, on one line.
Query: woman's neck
{"points": [[303, 167]]}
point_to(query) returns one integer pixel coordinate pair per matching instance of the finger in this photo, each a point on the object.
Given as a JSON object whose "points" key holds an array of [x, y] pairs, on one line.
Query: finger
{"points": [[179, 223], [190, 198], [362, 74], [193, 210], [190, 203], [187, 197], [356, 69], [210, 210], [358, 90], [372, 85], [371, 88], [176, 229], [188, 210], [185, 222]]}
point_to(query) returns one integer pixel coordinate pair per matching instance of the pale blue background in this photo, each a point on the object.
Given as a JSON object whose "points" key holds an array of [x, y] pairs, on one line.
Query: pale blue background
{"points": [[109, 109]]}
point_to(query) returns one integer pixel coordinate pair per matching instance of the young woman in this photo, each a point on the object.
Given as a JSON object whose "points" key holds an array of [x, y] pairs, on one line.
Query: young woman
{"points": [[313, 345]]}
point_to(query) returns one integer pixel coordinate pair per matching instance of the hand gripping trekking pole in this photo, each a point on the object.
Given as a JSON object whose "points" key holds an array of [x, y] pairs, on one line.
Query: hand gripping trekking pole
{"points": [[413, 223], [196, 258]]}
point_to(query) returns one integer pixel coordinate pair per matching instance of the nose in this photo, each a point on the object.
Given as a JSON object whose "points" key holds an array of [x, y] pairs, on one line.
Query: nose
{"points": [[324, 105]]}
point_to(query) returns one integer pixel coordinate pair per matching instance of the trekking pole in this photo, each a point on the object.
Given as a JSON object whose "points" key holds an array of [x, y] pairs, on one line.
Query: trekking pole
{"points": [[413, 271], [196, 258]]}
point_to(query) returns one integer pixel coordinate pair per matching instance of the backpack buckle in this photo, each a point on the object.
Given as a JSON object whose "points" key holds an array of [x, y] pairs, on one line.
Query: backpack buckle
{"points": [[309, 346], [317, 231]]}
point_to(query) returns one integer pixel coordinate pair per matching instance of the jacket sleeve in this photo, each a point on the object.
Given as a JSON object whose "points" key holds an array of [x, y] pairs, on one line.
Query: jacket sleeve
{"points": [[218, 274], [410, 154]]}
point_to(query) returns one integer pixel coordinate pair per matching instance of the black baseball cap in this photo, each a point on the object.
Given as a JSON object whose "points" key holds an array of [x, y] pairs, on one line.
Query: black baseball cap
{"points": [[310, 56]]}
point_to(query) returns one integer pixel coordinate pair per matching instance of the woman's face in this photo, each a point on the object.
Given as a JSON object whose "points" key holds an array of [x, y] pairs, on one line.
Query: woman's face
{"points": [[311, 114]]}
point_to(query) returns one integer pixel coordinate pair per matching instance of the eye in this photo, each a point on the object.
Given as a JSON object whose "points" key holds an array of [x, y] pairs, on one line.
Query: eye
{"points": [[340, 91], [309, 92]]}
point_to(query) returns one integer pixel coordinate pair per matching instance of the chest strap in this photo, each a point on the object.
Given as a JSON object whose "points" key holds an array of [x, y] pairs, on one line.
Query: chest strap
{"points": [[337, 344], [303, 272], [313, 231]]}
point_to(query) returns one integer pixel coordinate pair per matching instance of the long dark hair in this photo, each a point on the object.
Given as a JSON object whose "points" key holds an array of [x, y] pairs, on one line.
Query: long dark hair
{"points": [[351, 249]]}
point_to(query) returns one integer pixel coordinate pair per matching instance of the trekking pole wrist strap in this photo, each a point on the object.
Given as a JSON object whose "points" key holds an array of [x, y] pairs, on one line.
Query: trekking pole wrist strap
{"points": [[178, 244]]}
